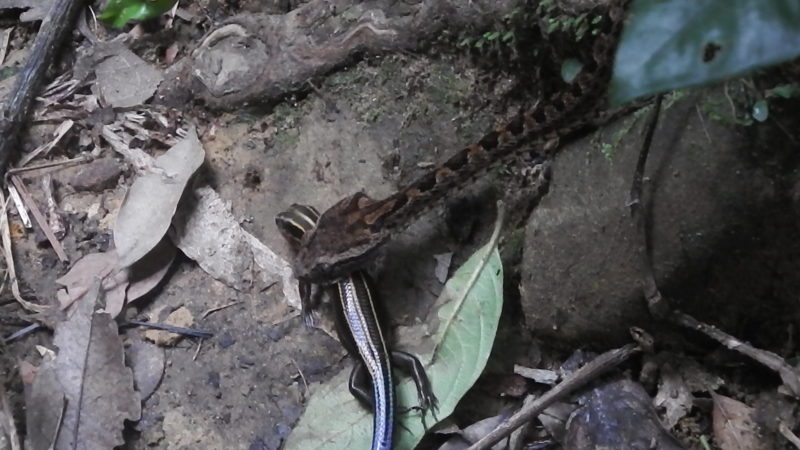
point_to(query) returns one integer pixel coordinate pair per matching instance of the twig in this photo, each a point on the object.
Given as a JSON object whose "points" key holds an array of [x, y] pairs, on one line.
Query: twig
{"points": [[658, 305], [703, 123], [218, 308], [789, 435], [197, 352], [53, 32], [789, 375], [576, 380], [44, 149], [40, 219], [50, 165], [302, 377], [22, 332], [490, 247], [177, 330], [20, 205], [5, 234], [4, 43], [730, 100], [655, 303], [140, 160], [8, 421]]}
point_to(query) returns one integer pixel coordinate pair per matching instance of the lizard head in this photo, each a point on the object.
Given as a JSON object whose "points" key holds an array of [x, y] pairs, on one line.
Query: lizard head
{"points": [[344, 239]]}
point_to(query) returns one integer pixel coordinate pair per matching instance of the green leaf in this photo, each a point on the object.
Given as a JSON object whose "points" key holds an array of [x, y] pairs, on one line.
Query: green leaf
{"points": [[760, 110], [552, 25], [784, 91], [120, 12], [670, 44], [333, 419], [570, 69]]}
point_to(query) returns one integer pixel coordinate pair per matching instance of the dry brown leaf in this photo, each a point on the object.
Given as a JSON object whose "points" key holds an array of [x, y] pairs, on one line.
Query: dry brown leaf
{"points": [[114, 291], [96, 383], [735, 427], [673, 396], [171, 53], [147, 211], [145, 274], [27, 371], [82, 275], [207, 232], [442, 268], [44, 406], [139, 83], [122, 287]]}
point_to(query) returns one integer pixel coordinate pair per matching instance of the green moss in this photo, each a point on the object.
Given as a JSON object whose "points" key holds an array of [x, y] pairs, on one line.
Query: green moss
{"points": [[671, 98], [446, 90], [723, 108], [7, 72], [609, 148]]}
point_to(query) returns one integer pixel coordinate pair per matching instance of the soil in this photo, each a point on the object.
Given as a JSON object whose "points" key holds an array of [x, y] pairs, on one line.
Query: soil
{"points": [[374, 124]]}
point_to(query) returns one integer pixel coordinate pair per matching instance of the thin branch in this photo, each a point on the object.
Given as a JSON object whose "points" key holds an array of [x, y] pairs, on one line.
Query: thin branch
{"points": [[789, 435], [218, 308], [576, 380], [658, 305], [53, 32], [172, 329], [52, 165], [5, 234], [40, 219], [655, 303], [789, 375]]}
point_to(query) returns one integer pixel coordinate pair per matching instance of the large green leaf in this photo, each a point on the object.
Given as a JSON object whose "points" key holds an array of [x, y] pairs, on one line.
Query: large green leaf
{"points": [[120, 12], [457, 349], [669, 44]]}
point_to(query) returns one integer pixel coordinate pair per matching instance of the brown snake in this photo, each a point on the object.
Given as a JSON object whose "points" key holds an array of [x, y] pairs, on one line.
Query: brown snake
{"points": [[350, 231]]}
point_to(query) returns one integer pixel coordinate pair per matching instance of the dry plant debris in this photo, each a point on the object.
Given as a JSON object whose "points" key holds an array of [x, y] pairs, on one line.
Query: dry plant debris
{"points": [[153, 199], [34, 9], [121, 285], [91, 376], [735, 426], [135, 88]]}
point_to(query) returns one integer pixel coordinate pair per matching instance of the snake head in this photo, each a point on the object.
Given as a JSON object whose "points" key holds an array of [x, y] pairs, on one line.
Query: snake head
{"points": [[345, 238]]}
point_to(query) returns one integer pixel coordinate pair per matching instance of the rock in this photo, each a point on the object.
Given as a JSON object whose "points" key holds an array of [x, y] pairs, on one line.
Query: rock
{"points": [[181, 317], [581, 277], [617, 414], [97, 176]]}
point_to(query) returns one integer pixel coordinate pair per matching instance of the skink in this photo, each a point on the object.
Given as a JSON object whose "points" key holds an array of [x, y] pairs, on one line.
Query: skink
{"points": [[360, 331]]}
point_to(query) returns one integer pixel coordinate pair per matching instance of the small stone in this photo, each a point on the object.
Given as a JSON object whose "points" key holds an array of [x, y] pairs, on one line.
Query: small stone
{"points": [[181, 317], [275, 333], [147, 362], [226, 340], [246, 362], [282, 429], [213, 379], [258, 444]]}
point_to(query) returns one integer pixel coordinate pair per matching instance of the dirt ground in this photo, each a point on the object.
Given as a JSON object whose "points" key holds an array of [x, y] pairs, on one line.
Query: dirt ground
{"points": [[374, 124]]}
